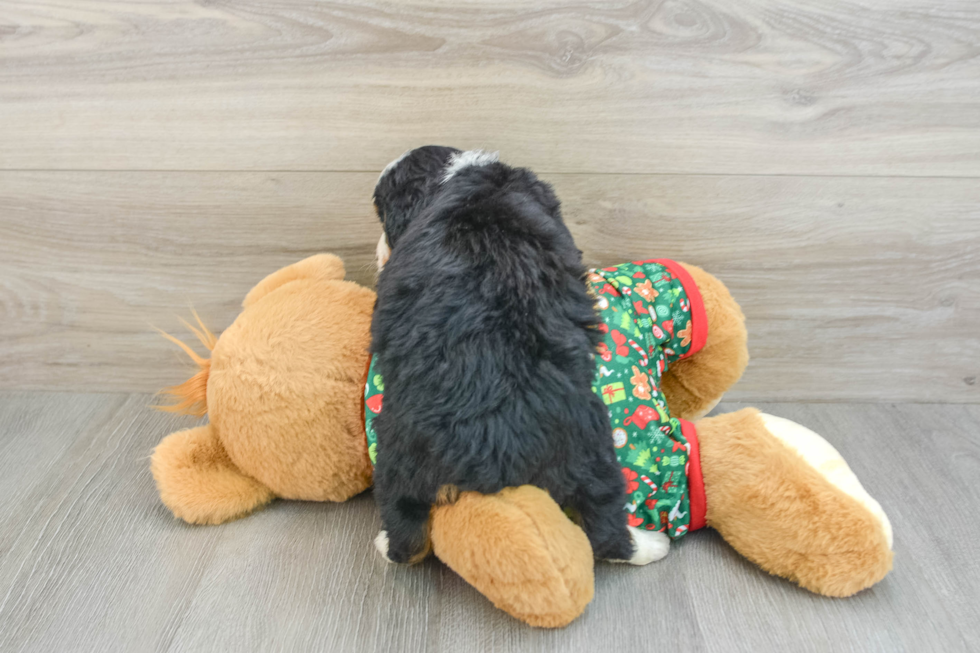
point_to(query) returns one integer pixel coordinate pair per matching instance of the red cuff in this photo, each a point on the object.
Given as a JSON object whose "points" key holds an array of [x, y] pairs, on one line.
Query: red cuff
{"points": [[695, 480], [699, 317]]}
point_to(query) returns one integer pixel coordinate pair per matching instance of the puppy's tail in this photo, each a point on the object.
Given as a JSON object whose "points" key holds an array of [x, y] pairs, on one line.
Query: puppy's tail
{"points": [[190, 397]]}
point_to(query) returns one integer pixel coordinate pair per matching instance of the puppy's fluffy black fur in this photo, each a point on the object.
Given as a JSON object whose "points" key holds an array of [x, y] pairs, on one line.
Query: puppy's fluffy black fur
{"points": [[484, 334]]}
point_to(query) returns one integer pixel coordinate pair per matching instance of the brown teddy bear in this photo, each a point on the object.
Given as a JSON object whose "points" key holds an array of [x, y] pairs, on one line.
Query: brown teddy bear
{"points": [[284, 390]]}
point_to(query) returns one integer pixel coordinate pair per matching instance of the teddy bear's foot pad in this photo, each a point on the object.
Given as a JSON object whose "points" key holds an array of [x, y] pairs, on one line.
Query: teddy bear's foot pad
{"points": [[823, 457]]}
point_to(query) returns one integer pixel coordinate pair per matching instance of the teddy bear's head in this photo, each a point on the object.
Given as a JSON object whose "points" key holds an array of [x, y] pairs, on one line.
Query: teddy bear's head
{"points": [[283, 391]]}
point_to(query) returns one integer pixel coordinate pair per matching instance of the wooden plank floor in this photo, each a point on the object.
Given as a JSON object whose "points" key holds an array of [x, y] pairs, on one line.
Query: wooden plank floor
{"points": [[91, 561]]}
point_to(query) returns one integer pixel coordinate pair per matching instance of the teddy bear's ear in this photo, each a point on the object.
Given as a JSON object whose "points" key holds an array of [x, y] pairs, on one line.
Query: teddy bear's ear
{"points": [[326, 267], [322, 266]]}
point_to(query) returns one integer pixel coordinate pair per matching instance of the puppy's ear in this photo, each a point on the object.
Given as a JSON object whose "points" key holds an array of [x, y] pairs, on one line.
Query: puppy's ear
{"points": [[545, 195], [407, 186]]}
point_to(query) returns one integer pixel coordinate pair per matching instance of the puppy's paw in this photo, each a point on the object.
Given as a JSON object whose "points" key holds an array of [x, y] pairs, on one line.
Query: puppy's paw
{"points": [[381, 544], [648, 546]]}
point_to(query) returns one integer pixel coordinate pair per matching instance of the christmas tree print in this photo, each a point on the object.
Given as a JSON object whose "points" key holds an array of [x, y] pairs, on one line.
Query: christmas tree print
{"points": [[633, 456], [642, 458]]}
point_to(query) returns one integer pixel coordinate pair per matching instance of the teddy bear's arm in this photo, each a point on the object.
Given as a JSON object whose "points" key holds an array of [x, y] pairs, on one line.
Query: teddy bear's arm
{"points": [[694, 385]]}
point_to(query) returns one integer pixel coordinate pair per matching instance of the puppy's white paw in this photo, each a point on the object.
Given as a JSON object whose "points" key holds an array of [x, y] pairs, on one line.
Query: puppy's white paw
{"points": [[381, 544], [649, 546]]}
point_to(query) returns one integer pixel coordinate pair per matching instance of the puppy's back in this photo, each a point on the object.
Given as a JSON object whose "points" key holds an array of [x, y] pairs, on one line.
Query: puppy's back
{"points": [[484, 331]]}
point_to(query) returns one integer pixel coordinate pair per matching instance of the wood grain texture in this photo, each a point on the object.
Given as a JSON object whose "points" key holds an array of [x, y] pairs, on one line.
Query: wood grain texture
{"points": [[854, 289], [89, 263], [91, 561], [684, 86]]}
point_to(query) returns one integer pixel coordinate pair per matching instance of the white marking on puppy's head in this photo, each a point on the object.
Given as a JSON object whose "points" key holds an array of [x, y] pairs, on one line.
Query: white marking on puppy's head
{"points": [[394, 163], [466, 159], [383, 252]]}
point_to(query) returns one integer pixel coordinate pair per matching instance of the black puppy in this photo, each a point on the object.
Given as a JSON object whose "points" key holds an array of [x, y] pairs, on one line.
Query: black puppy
{"points": [[484, 334]]}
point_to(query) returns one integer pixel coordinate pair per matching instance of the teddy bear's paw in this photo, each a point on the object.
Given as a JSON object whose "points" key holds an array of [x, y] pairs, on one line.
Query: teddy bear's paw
{"points": [[824, 458], [199, 482], [649, 546], [381, 544], [784, 498], [519, 550]]}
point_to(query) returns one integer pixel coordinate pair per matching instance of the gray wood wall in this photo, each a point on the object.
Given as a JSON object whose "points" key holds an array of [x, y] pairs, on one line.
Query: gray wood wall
{"points": [[823, 159]]}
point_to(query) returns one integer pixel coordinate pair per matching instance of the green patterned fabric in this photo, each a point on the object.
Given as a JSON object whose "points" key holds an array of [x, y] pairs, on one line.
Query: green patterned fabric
{"points": [[373, 395], [646, 319]]}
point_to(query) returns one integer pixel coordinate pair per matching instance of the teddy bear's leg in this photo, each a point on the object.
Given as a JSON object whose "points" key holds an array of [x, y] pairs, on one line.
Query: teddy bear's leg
{"points": [[785, 499], [199, 483], [519, 550], [694, 385], [318, 266]]}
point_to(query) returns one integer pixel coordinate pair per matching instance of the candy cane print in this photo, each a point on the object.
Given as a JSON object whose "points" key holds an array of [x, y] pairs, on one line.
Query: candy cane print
{"points": [[646, 480], [643, 355]]}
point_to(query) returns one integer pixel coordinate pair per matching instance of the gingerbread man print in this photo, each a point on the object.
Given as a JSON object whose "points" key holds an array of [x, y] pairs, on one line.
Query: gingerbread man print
{"points": [[641, 384]]}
